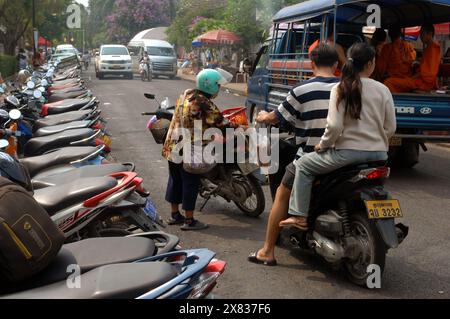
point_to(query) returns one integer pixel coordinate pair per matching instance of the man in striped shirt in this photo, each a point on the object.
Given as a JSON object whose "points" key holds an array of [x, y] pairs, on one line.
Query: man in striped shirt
{"points": [[306, 109]]}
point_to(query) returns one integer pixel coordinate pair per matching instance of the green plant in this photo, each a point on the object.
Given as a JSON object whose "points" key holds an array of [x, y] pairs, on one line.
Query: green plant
{"points": [[8, 65]]}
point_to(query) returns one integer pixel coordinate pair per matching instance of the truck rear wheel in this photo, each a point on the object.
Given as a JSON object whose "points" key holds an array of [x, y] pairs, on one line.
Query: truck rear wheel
{"points": [[405, 156]]}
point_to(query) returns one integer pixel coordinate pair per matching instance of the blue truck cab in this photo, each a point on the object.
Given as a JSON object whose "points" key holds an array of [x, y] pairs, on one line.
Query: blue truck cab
{"points": [[283, 62]]}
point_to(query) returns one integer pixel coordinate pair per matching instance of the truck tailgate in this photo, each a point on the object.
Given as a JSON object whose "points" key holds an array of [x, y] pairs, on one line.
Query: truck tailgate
{"points": [[423, 111]]}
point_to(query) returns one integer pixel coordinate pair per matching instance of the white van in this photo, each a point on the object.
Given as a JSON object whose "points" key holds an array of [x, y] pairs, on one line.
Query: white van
{"points": [[162, 56], [114, 59]]}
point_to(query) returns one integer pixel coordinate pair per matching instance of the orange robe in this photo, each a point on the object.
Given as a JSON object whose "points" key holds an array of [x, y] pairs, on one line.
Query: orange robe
{"points": [[315, 44], [426, 79], [395, 60]]}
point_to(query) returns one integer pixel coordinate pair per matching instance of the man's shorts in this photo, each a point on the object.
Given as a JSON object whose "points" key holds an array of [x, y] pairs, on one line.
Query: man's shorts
{"points": [[289, 176]]}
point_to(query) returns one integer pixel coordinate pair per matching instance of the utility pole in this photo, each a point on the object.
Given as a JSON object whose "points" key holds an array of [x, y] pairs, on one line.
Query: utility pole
{"points": [[34, 27]]}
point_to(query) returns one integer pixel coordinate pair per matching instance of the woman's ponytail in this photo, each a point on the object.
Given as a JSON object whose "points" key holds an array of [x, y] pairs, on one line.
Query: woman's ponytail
{"points": [[350, 87]]}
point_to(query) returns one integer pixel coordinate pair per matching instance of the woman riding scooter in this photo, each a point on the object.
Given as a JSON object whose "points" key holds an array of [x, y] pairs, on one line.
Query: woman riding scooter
{"points": [[195, 105], [361, 120]]}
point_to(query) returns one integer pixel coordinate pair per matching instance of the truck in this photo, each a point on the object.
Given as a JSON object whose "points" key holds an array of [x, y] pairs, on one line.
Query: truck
{"points": [[283, 62]]}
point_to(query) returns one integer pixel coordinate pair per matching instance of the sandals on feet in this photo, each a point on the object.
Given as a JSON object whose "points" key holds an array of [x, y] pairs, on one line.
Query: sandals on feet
{"points": [[295, 222], [253, 258]]}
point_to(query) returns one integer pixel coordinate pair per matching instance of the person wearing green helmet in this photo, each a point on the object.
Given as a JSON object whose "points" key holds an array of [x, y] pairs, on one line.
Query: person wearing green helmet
{"points": [[197, 105]]}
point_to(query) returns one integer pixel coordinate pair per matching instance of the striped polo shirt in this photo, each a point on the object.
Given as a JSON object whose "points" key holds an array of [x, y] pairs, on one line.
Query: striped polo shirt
{"points": [[306, 109]]}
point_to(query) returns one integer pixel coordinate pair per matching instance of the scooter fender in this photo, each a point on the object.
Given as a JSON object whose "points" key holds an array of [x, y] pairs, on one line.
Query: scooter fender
{"points": [[386, 228]]}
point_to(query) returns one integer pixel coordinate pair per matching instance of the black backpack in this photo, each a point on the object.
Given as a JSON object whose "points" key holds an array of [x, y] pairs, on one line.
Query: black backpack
{"points": [[29, 239]]}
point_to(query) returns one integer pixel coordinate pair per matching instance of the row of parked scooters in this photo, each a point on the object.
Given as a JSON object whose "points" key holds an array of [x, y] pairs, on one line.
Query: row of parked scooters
{"points": [[54, 143]]}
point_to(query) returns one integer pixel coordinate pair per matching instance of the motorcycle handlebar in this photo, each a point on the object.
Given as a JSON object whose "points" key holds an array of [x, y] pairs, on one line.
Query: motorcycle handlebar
{"points": [[148, 113]]}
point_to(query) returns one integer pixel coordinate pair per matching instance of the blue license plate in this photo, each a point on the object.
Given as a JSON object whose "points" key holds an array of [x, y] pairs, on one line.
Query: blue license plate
{"points": [[150, 210]]}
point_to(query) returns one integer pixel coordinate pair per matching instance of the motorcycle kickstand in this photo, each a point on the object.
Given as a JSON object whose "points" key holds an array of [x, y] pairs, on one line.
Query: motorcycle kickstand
{"points": [[204, 204]]}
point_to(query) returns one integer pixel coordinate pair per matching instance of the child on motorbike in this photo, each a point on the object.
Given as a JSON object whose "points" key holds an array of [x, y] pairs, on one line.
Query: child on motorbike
{"points": [[360, 122], [197, 105]]}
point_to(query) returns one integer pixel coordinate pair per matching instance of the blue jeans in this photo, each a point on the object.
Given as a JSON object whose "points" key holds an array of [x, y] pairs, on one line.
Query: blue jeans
{"points": [[313, 164]]}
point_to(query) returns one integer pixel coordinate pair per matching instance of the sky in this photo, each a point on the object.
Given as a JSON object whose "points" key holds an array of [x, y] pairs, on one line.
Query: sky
{"points": [[84, 2]]}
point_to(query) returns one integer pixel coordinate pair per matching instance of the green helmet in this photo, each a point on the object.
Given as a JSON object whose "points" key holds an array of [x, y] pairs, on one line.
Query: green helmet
{"points": [[208, 81]]}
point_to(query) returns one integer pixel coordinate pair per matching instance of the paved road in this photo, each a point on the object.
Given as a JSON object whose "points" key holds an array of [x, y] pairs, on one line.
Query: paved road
{"points": [[418, 269]]}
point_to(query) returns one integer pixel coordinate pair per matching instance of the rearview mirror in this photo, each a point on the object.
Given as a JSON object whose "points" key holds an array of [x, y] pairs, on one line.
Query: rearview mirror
{"points": [[4, 144], [37, 94], [13, 101], [149, 96], [31, 85], [15, 115]]}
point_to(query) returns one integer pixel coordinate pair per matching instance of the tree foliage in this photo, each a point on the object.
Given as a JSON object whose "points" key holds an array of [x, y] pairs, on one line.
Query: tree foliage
{"points": [[132, 16], [247, 18]]}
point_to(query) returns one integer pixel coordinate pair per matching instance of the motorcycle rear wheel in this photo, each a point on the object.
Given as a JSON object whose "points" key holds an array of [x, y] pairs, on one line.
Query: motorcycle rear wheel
{"points": [[256, 203], [365, 231]]}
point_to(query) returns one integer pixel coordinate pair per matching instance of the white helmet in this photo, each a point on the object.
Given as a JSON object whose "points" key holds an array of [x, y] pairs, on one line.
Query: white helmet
{"points": [[23, 76]]}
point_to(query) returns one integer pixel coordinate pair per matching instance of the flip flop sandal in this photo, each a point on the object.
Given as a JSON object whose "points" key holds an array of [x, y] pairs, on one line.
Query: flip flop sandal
{"points": [[254, 259], [302, 227]]}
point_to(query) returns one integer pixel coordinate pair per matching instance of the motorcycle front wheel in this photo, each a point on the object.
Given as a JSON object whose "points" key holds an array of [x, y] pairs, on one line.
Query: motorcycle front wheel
{"points": [[256, 202], [373, 250]]}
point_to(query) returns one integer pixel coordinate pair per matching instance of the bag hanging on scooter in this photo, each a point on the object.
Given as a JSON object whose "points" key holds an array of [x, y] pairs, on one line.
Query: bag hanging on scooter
{"points": [[29, 239]]}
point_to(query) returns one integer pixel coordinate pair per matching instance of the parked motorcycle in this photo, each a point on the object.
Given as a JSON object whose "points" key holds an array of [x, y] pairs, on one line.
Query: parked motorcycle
{"points": [[234, 182]]}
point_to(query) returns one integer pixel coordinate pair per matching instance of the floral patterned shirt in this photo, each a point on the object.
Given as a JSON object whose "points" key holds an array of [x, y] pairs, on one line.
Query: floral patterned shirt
{"points": [[195, 107]]}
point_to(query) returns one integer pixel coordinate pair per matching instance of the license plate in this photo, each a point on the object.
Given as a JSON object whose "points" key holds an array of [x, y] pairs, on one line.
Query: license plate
{"points": [[382, 209], [106, 139], [150, 210], [116, 67], [395, 141]]}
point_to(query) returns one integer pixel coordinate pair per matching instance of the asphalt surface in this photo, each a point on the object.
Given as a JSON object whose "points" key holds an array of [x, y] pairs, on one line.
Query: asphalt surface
{"points": [[419, 268]]}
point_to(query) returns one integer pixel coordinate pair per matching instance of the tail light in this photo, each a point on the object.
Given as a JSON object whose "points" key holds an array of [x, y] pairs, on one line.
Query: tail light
{"points": [[373, 173], [205, 283]]}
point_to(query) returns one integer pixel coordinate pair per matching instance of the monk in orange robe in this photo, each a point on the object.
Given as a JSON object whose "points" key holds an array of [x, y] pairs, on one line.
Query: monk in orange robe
{"points": [[330, 41], [426, 78], [396, 58]]}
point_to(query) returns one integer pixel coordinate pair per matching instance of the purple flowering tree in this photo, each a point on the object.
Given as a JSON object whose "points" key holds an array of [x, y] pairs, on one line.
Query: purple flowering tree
{"points": [[132, 16]]}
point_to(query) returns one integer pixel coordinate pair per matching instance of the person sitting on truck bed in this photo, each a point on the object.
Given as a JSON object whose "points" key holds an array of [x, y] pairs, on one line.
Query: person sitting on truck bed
{"points": [[330, 41], [396, 58], [426, 78], [306, 108]]}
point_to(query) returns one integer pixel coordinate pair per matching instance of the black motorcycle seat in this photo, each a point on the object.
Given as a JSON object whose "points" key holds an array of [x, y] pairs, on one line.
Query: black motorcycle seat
{"points": [[40, 145], [65, 155], [116, 281], [60, 108], [62, 175], [64, 118], [49, 130], [89, 254], [69, 102], [59, 97], [69, 90], [57, 198], [64, 82]]}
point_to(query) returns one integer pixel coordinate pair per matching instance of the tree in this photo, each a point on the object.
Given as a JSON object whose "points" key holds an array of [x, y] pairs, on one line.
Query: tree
{"points": [[97, 31], [132, 16], [15, 18]]}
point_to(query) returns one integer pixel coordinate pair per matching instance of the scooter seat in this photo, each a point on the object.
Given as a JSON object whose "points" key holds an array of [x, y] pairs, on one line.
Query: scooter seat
{"points": [[64, 82], [56, 198], [40, 145], [49, 130], [62, 156], [66, 104], [68, 90], [66, 174], [65, 96], [58, 119], [116, 281]]}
